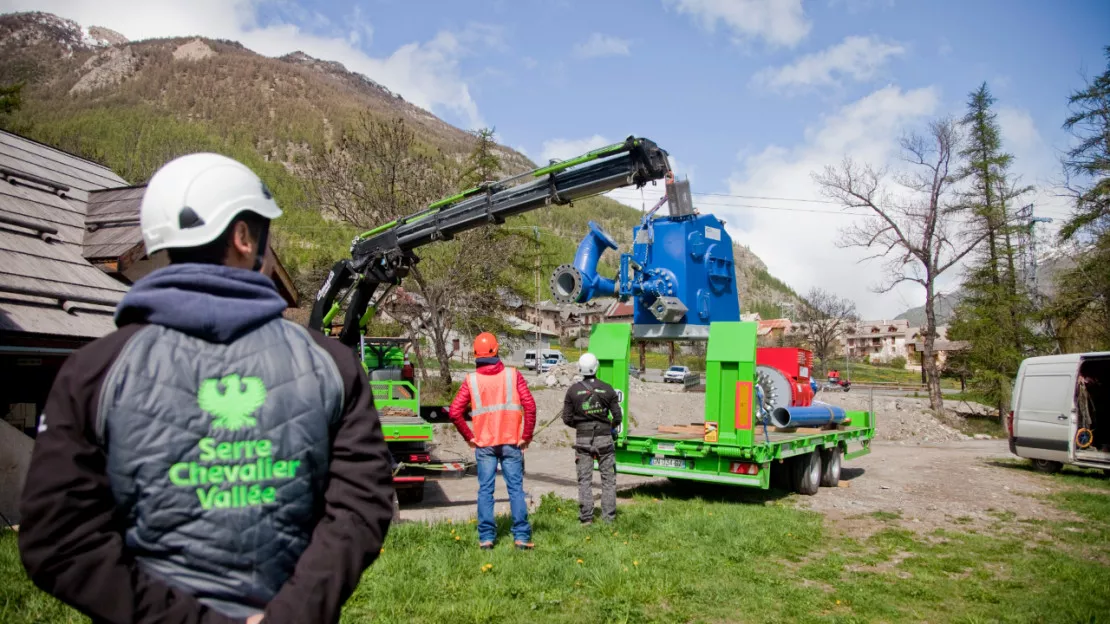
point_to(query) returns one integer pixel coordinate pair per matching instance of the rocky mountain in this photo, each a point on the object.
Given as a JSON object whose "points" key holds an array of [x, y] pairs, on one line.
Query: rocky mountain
{"points": [[944, 308], [132, 105]]}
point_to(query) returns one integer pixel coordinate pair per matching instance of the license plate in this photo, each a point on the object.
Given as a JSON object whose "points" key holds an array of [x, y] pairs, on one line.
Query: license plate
{"points": [[668, 462]]}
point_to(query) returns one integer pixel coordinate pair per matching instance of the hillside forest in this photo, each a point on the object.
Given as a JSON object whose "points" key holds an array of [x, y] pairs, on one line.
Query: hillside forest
{"points": [[313, 131]]}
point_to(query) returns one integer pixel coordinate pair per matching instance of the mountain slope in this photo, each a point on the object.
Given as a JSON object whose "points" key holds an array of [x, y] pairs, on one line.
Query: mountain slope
{"points": [[135, 105]]}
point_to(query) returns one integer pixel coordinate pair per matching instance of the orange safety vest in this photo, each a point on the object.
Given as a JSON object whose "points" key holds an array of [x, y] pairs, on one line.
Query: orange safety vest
{"points": [[495, 408]]}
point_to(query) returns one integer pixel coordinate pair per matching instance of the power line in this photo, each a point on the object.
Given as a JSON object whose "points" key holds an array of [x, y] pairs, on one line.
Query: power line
{"points": [[760, 207]]}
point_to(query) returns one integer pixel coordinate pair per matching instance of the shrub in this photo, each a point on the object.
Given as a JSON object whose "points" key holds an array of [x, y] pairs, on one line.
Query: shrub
{"points": [[898, 362]]}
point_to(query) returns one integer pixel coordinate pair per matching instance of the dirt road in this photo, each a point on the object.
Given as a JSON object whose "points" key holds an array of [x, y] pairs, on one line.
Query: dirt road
{"points": [[926, 473]]}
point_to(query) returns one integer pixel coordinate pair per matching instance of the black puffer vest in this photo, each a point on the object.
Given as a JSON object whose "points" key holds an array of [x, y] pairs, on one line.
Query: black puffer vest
{"points": [[218, 456]]}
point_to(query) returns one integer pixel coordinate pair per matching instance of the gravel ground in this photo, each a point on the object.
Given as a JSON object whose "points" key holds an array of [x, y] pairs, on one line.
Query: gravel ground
{"points": [[905, 420], [923, 471]]}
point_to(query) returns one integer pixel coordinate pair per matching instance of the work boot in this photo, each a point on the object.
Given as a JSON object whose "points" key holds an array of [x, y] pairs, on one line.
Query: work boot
{"points": [[521, 545], [486, 545]]}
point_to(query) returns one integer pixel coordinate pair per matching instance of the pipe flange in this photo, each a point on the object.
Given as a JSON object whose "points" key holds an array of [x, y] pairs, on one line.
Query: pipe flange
{"points": [[566, 284]]}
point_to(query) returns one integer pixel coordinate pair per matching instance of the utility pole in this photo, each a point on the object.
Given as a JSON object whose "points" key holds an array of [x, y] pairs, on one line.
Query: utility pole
{"points": [[1027, 246], [539, 316]]}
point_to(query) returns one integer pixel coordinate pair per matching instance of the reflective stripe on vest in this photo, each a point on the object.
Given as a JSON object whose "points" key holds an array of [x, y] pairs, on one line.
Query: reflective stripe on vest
{"points": [[496, 413]]}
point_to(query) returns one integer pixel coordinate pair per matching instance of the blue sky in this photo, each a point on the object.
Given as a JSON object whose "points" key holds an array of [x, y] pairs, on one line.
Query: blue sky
{"points": [[749, 96]]}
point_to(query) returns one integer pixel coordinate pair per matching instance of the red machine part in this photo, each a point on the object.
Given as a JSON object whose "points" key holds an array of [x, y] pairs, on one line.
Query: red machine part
{"points": [[793, 363]]}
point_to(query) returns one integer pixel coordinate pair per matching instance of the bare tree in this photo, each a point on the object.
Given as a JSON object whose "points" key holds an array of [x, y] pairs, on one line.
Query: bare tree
{"points": [[379, 172], [825, 317], [914, 229]]}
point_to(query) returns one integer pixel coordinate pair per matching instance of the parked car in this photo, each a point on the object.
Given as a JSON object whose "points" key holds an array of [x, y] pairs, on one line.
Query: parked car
{"points": [[551, 362], [1060, 411], [676, 374]]}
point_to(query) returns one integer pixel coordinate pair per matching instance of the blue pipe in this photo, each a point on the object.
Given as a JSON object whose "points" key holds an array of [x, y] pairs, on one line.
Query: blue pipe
{"points": [[816, 415], [585, 260]]}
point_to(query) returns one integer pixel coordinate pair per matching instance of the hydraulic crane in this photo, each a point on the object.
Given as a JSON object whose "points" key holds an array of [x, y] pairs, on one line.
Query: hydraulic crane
{"points": [[384, 255]]}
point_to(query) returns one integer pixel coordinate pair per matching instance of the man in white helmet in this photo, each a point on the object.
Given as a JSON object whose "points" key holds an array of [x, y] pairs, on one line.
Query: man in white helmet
{"points": [[208, 461], [586, 408]]}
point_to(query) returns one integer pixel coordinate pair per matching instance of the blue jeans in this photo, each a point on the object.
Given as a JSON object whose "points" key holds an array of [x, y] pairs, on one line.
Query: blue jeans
{"points": [[512, 469]]}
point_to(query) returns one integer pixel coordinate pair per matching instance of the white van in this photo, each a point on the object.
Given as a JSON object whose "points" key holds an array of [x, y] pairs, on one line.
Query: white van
{"points": [[530, 359], [1061, 411]]}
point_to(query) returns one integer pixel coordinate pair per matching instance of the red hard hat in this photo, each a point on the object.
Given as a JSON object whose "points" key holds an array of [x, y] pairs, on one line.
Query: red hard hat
{"points": [[485, 345]]}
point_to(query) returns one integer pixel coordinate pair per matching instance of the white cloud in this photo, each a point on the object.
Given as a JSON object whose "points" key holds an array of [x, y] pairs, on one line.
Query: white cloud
{"points": [[424, 73], [601, 45], [857, 58], [779, 22], [858, 6], [562, 149], [945, 47], [800, 247]]}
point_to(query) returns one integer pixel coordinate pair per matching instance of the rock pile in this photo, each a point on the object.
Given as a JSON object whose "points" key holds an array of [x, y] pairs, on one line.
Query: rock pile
{"points": [[903, 419], [561, 376]]}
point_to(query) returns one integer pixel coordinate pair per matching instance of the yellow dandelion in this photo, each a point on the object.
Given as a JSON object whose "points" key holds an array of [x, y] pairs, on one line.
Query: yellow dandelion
{"points": [[587, 538], [635, 563], [579, 561], [837, 602], [457, 538], [615, 533], [626, 542]]}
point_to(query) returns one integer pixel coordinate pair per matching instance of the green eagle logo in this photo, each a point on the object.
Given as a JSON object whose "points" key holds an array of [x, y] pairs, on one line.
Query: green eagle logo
{"points": [[232, 408]]}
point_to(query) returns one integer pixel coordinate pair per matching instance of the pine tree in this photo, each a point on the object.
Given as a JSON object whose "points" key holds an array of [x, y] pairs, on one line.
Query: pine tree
{"points": [[482, 164], [11, 98], [1082, 302], [995, 312]]}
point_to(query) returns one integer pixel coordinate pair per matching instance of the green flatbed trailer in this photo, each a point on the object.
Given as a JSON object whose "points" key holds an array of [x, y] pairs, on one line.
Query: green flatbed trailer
{"points": [[734, 446]]}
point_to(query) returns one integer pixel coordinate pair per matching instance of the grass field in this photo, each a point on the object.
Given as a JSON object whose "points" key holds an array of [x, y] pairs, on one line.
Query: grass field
{"points": [[718, 555]]}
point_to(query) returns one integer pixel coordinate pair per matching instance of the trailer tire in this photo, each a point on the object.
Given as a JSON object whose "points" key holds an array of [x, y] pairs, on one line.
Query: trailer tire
{"points": [[1047, 466], [410, 493], [830, 466], [782, 474], [807, 473]]}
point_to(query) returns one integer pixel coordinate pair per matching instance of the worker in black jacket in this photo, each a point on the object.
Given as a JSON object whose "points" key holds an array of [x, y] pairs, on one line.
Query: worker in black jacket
{"points": [[208, 462], [587, 408]]}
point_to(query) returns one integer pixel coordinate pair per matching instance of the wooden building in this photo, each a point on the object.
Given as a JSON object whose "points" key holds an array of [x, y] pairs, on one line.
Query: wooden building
{"points": [[70, 246]]}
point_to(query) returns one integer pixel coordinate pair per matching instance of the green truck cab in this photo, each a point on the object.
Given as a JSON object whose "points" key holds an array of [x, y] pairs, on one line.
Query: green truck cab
{"points": [[408, 427]]}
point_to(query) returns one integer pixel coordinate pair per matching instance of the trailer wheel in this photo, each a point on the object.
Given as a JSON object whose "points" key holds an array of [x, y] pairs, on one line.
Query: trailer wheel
{"points": [[830, 466], [413, 493], [1047, 466], [782, 474], [807, 473]]}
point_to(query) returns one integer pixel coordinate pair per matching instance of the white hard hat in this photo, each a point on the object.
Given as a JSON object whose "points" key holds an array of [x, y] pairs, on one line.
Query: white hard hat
{"points": [[191, 200], [587, 364]]}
